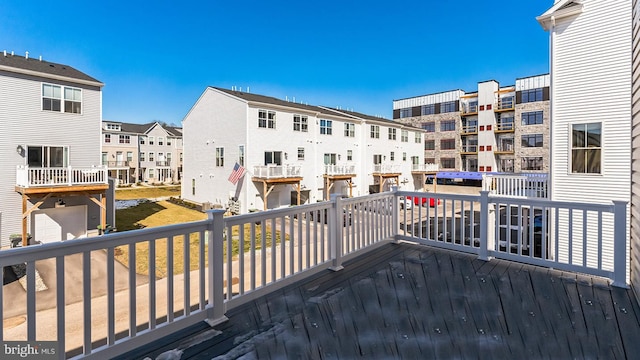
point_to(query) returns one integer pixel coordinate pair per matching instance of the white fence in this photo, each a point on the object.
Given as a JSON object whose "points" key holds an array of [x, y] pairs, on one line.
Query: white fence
{"points": [[63, 176], [517, 185], [387, 168], [425, 167], [197, 271], [276, 171]]}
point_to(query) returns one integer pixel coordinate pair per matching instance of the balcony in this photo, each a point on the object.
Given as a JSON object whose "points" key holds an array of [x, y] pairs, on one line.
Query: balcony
{"points": [[505, 104], [506, 125], [276, 171], [383, 261], [165, 163], [504, 148], [469, 130], [424, 168], [118, 164], [469, 149], [340, 170], [469, 109], [38, 177], [387, 169]]}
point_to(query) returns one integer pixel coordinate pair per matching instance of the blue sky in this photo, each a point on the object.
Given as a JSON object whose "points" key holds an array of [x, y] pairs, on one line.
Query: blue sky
{"points": [[157, 57]]}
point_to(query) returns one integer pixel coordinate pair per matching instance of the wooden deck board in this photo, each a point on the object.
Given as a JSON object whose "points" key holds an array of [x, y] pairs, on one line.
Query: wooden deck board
{"points": [[410, 301]]}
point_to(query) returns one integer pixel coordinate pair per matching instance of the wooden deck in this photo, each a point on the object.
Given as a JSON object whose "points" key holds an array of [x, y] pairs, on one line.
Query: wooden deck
{"points": [[409, 301]]}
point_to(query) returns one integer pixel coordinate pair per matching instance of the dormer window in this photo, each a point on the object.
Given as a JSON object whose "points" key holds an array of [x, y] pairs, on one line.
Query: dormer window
{"points": [[113, 127]]}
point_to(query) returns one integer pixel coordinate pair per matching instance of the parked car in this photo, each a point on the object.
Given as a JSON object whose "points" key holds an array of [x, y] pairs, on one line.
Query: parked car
{"points": [[315, 215]]}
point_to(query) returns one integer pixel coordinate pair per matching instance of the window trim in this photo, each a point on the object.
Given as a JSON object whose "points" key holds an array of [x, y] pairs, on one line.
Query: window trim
{"points": [[63, 101], [585, 148]]}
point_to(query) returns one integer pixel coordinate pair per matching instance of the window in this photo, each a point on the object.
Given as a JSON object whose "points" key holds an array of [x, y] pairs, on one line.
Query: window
{"points": [[586, 148], [240, 155], [532, 140], [349, 155], [104, 158], [151, 174], [446, 107], [300, 153], [392, 134], [532, 163], [489, 127], [142, 139], [273, 157], [219, 157], [429, 126], [506, 165], [375, 132], [107, 138], [267, 119], [428, 109], [448, 163], [124, 139], [152, 156], [532, 95], [488, 108], [447, 144], [329, 159], [429, 160], [405, 113], [181, 157], [429, 144], [415, 160], [160, 156], [404, 135], [448, 125], [532, 118], [392, 156], [115, 127], [72, 100], [418, 138], [489, 148], [404, 156], [160, 140], [481, 148], [130, 156], [142, 157], [168, 157], [326, 127], [377, 159], [349, 129], [168, 141], [52, 98], [193, 186], [151, 140], [300, 123]]}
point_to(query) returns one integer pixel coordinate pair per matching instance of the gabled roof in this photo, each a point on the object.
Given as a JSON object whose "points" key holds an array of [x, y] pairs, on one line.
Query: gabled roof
{"points": [[135, 128], [36, 67], [311, 108], [560, 9], [145, 128]]}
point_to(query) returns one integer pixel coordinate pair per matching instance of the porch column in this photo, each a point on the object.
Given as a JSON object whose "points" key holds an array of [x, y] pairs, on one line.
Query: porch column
{"points": [[24, 221]]}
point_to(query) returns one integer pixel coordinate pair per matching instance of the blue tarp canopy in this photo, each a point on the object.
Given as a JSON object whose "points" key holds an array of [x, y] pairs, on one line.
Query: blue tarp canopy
{"points": [[466, 175]]}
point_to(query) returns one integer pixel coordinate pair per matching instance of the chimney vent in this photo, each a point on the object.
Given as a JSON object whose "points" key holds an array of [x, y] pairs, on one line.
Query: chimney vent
{"points": [[26, 55]]}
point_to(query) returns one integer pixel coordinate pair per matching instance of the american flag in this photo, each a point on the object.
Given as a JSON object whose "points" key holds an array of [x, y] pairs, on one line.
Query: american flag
{"points": [[237, 173]]}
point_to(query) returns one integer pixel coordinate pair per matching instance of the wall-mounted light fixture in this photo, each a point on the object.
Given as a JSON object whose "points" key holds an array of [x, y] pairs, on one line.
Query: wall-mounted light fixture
{"points": [[20, 150]]}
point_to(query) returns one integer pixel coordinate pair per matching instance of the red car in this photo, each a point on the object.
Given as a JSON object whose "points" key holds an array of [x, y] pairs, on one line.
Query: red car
{"points": [[421, 201]]}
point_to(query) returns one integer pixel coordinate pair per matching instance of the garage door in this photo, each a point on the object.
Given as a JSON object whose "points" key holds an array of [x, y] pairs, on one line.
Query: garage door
{"points": [[63, 223]]}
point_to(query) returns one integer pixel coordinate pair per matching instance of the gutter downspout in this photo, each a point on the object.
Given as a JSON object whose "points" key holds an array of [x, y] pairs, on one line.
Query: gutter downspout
{"points": [[552, 31]]}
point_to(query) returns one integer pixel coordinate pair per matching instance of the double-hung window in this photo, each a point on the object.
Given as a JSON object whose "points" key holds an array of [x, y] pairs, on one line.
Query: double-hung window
{"points": [[375, 132], [219, 157], [300, 123], [54, 95], [586, 148], [392, 134], [326, 127], [349, 129], [267, 119]]}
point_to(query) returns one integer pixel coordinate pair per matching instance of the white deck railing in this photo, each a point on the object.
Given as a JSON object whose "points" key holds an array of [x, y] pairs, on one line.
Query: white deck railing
{"points": [[64, 176], [276, 171], [339, 169], [387, 168], [517, 185], [204, 277], [425, 167]]}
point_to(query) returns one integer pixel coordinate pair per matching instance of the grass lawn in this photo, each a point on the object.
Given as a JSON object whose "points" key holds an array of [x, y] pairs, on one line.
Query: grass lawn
{"points": [[147, 192], [151, 214]]}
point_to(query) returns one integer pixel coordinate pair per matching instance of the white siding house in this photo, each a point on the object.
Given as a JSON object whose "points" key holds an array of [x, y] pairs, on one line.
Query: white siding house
{"points": [[591, 106], [50, 146], [635, 158], [287, 147]]}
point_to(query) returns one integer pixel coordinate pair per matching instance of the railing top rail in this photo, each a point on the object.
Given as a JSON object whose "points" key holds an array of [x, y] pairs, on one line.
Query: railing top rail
{"points": [[67, 247], [545, 203]]}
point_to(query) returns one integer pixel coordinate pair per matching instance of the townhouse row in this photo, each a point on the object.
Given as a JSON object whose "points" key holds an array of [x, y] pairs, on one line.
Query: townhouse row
{"points": [[292, 153], [150, 153]]}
